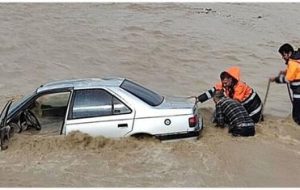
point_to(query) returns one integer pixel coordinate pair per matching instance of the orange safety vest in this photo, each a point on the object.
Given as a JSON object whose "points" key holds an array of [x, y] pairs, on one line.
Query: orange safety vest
{"points": [[241, 90], [293, 70]]}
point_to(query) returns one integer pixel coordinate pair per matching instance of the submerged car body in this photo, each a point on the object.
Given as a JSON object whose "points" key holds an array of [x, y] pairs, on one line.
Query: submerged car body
{"points": [[109, 107]]}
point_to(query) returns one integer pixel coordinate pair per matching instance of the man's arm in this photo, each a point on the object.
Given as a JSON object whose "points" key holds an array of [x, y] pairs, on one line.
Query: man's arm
{"points": [[206, 95], [279, 79]]}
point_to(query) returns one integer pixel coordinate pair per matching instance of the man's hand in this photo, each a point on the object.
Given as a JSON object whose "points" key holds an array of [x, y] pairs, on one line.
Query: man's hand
{"points": [[272, 79], [194, 97], [196, 100]]}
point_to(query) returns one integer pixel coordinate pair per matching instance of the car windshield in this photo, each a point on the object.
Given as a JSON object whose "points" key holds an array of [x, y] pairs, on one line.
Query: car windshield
{"points": [[142, 93], [21, 101]]}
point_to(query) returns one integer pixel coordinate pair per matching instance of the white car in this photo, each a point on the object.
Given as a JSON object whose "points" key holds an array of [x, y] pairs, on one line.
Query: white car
{"points": [[109, 107]]}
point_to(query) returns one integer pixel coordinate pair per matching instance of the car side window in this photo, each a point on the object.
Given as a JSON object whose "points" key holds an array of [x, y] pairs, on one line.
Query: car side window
{"points": [[92, 103], [96, 103]]}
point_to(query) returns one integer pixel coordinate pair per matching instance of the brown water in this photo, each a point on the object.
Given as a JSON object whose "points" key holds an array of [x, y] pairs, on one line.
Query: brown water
{"points": [[175, 49]]}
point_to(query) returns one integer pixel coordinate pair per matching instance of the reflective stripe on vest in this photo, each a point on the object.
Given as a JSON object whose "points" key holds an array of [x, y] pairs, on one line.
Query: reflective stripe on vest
{"points": [[255, 111], [295, 83], [208, 94], [250, 98], [282, 79], [296, 96]]}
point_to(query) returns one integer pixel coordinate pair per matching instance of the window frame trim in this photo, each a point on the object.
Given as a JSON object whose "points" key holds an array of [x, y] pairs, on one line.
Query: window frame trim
{"points": [[70, 114], [26, 103]]}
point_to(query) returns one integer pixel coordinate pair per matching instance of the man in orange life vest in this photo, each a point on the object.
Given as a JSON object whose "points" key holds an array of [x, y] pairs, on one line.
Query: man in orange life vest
{"points": [[291, 75], [238, 90]]}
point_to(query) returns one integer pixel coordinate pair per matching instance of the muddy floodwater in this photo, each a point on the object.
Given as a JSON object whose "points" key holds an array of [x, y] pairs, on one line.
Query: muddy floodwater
{"points": [[176, 49]]}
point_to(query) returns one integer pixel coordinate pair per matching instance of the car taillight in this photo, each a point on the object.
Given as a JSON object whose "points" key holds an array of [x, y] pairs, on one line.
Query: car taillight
{"points": [[193, 121]]}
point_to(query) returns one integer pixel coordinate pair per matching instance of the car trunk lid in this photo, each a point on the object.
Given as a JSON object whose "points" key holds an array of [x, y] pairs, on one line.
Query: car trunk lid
{"points": [[177, 103], [171, 106]]}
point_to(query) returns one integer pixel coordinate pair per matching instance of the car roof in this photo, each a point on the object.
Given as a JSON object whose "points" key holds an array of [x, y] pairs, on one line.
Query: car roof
{"points": [[82, 83]]}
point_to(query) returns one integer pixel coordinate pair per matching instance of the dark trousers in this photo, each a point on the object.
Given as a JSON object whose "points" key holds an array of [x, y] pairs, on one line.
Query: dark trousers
{"points": [[296, 110], [244, 131]]}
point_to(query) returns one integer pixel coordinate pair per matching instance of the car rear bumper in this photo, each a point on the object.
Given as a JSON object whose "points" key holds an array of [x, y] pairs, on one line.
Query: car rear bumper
{"points": [[179, 135], [184, 135]]}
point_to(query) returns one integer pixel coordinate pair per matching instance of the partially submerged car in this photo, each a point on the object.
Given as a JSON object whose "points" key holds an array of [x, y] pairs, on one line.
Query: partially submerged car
{"points": [[109, 107]]}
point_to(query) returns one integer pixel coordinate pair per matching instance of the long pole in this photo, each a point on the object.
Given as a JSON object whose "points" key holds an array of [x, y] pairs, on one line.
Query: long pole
{"points": [[290, 95], [265, 100], [267, 92]]}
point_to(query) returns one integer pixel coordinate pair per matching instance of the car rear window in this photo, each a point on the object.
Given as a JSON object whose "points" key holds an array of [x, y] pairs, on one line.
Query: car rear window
{"points": [[142, 93]]}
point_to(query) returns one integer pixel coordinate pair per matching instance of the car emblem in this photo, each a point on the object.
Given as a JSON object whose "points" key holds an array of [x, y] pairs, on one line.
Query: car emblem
{"points": [[167, 122]]}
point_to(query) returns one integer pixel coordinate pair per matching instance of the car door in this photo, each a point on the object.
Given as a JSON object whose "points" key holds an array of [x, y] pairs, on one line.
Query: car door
{"points": [[98, 113], [49, 108]]}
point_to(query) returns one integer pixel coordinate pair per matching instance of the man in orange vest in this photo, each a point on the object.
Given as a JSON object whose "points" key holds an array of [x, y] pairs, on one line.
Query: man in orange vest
{"points": [[238, 90], [291, 75]]}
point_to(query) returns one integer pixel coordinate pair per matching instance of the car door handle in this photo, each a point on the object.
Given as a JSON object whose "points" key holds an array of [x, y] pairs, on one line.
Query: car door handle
{"points": [[123, 125]]}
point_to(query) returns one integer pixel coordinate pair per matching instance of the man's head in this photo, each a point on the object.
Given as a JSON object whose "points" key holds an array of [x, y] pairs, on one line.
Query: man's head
{"points": [[219, 94], [286, 50], [227, 80]]}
